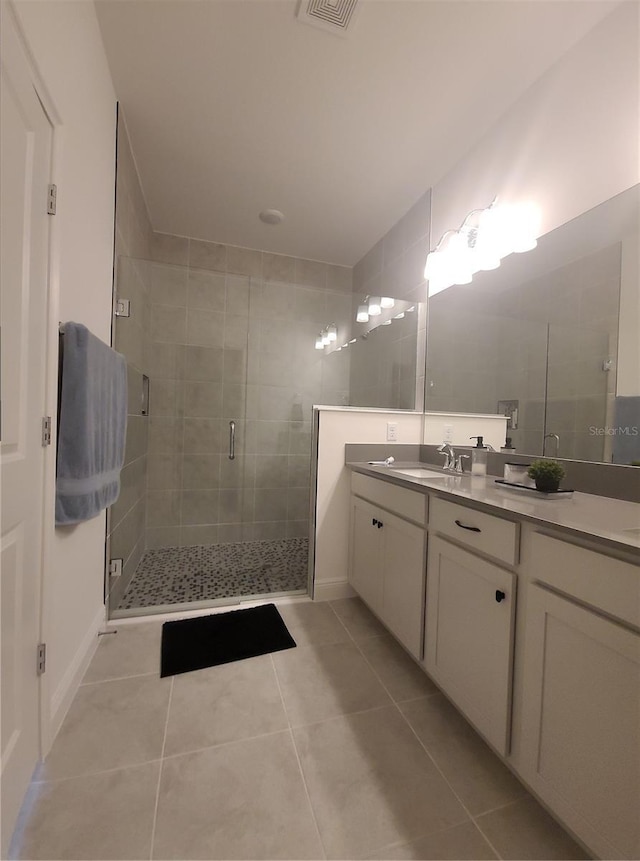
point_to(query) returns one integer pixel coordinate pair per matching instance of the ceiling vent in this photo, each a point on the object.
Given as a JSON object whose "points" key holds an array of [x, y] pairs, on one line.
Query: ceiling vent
{"points": [[334, 16]]}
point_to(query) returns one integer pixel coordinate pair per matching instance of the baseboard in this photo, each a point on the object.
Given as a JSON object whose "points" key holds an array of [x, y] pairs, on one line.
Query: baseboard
{"points": [[68, 687], [332, 590]]}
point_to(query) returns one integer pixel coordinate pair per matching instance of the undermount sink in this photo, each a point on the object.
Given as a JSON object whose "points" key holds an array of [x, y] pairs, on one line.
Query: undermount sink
{"points": [[418, 472]]}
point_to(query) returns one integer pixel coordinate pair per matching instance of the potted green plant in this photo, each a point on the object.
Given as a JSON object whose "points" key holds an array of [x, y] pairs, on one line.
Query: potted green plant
{"points": [[547, 474]]}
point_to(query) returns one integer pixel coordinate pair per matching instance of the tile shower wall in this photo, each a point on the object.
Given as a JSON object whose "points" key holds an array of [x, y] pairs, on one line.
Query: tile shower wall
{"points": [[232, 339], [127, 517], [394, 266]]}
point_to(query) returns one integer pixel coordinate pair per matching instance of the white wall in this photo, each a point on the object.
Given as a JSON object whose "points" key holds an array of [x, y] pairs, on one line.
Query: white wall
{"points": [[337, 427], [569, 143], [66, 47]]}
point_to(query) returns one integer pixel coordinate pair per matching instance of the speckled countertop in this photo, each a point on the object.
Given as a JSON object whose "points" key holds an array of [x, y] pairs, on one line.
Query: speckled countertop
{"points": [[609, 520]]}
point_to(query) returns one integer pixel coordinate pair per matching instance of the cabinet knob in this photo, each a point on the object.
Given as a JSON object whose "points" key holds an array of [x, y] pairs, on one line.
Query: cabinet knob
{"points": [[500, 596]]}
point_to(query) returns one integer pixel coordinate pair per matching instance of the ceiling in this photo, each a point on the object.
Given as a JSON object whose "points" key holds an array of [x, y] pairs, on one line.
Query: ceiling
{"points": [[235, 106]]}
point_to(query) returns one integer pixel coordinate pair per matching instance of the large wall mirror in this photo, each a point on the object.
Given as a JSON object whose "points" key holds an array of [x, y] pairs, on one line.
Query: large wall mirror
{"points": [[537, 338]]}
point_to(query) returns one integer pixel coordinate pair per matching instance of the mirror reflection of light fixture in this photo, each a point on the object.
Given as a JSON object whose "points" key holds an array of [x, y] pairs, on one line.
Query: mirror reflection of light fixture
{"points": [[363, 314], [332, 332], [481, 241], [375, 306], [387, 302], [319, 342], [326, 340]]}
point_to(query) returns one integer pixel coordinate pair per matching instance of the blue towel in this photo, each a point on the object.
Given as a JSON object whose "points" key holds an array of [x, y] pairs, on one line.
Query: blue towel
{"points": [[92, 426]]}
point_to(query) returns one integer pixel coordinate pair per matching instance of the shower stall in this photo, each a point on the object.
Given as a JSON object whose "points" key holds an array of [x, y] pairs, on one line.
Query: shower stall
{"points": [[223, 372]]}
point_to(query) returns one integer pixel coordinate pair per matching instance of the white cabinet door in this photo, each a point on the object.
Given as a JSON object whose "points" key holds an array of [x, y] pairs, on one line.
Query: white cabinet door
{"points": [[365, 570], [387, 570], [581, 721], [403, 580], [469, 636]]}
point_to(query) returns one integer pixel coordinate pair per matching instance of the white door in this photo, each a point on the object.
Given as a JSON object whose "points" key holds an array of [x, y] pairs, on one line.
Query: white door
{"points": [[26, 142]]}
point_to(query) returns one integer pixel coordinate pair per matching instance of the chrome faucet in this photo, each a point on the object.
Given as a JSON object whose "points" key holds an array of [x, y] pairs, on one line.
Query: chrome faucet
{"points": [[450, 456], [459, 459]]}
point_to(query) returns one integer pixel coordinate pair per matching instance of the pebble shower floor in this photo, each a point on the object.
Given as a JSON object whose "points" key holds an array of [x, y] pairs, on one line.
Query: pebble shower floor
{"points": [[179, 575]]}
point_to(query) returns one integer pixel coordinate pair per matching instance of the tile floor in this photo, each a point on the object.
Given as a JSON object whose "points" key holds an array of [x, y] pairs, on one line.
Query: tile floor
{"points": [[180, 575], [341, 748]]}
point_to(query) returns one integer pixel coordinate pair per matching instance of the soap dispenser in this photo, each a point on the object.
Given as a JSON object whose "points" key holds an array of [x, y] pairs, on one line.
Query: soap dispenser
{"points": [[479, 457]]}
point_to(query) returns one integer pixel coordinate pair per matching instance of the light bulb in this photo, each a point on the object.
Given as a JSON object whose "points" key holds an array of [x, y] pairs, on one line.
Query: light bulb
{"points": [[332, 332], [319, 342], [363, 314], [375, 306], [387, 302], [461, 264]]}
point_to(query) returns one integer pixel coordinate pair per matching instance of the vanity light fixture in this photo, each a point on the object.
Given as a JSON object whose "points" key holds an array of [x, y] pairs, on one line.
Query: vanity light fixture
{"points": [[353, 340], [387, 302], [482, 240], [332, 332], [326, 340], [375, 306], [319, 342], [362, 315]]}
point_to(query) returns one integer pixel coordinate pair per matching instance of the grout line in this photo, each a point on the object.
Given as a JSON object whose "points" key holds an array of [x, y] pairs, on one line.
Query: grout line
{"points": [[225, 743], [295, 748], [95, 773], [486, 839], [164, 742], [118, 679]]}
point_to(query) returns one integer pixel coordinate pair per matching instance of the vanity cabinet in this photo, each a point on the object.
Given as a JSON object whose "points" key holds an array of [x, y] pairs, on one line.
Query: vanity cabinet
{"points": [[470, 612], [387, 565], [580, 727]]}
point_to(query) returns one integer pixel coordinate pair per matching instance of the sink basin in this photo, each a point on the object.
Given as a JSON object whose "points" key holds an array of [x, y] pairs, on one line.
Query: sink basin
{"points": [[418, 472]]}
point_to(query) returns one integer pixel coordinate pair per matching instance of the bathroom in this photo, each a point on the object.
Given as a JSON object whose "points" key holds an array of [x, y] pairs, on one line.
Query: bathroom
{"points": [[84, 170]]}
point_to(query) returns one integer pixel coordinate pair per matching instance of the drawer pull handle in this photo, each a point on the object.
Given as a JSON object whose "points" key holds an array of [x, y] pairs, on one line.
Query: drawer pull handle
{"points": [[380, 524], [374, 522], [500, 596], [470, 528]]}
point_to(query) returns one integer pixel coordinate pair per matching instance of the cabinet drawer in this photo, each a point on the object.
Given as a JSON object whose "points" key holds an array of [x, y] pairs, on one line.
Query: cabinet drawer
{"points": [[491, 535], [406, 503], [607, 584]]}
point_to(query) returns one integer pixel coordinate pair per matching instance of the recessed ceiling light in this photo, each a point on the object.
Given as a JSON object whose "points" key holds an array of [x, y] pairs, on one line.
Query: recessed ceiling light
{"points": [[271, 216]]}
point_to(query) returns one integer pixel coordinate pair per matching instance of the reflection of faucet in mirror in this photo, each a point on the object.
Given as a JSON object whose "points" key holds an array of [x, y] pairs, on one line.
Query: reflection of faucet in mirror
{"points": [[551, 436]]}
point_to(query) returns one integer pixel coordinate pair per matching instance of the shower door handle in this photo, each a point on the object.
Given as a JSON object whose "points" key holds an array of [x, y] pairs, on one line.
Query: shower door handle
{"points": [[232, 440]]}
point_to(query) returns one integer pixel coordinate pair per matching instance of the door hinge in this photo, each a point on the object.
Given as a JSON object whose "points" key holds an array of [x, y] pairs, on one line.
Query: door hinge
{"points": [[115, 567], [122, 308], [46, 430], [42, 658], [52, 194]]}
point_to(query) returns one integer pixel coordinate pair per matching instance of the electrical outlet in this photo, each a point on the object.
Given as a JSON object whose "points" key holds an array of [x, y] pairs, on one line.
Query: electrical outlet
{"points": [[392, 431], [447, 433]]}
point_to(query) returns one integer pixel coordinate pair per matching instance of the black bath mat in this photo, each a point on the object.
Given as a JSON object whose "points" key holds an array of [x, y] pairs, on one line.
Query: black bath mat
{"points": [[193, 644]]}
